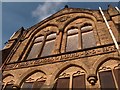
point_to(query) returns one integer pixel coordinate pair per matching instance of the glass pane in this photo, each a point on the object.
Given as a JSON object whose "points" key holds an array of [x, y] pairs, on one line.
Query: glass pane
{"points": [[38, 84], [63, 84], [72, 31], [106, 80], [34, 51], [51, 36], [86, 28], [117, 76], [72, 43], [38, 39], [27, 85], [48, 47], [79, 82], [88, 39]]}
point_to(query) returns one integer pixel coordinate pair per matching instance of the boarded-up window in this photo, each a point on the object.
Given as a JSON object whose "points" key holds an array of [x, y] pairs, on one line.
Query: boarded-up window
{"points": [[117, 76], [88, 39], [106, 80], [62, 84], [79, 82], [49, 45]]}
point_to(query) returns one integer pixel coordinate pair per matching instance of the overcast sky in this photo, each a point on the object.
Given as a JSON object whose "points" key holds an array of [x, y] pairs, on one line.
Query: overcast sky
{"points": [[26, 14]]}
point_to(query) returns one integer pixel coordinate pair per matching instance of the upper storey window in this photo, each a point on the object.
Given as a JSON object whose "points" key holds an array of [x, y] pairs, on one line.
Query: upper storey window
{"points": [[37, 45], [80, 38], [108, 74], [42, 46], [72, 40], [88, 39], [49, 45]]}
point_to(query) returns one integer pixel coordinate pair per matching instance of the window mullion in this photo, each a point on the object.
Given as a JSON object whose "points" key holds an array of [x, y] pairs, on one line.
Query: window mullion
{"points": [[57, 43], [64, 42], [71, 81], [79, 39]]}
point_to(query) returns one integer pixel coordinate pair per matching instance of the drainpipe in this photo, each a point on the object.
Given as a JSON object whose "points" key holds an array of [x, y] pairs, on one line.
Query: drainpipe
{"points": [[117, 9], [110, 31]]}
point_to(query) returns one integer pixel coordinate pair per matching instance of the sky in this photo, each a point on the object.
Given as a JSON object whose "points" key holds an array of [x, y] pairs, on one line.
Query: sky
{"points": [[26, 14]]}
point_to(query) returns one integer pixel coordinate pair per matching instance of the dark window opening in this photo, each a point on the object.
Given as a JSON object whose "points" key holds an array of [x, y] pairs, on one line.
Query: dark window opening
{"points": [[8, 87], [62, 84], [106, 80], [79, 82]]}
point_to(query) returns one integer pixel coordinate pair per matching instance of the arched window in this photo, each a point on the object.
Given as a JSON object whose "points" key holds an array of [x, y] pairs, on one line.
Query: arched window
{"points": [[42, 46], [72, 39], [88, 39], [73, 77], [49, 45], [108, 75], [35, 81], [79, 34]]}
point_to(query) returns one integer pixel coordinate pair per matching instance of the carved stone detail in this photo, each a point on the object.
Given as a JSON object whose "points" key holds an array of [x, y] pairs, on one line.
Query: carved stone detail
{"points": [[62, 19], [64, 57], [92, 79]]}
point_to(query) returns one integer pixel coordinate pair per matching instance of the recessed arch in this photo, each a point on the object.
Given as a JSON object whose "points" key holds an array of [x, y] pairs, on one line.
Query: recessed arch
{"points": [[66, 65], [82, 15], [46, 31], [100, 61], [26, 75], [36, 30]]}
